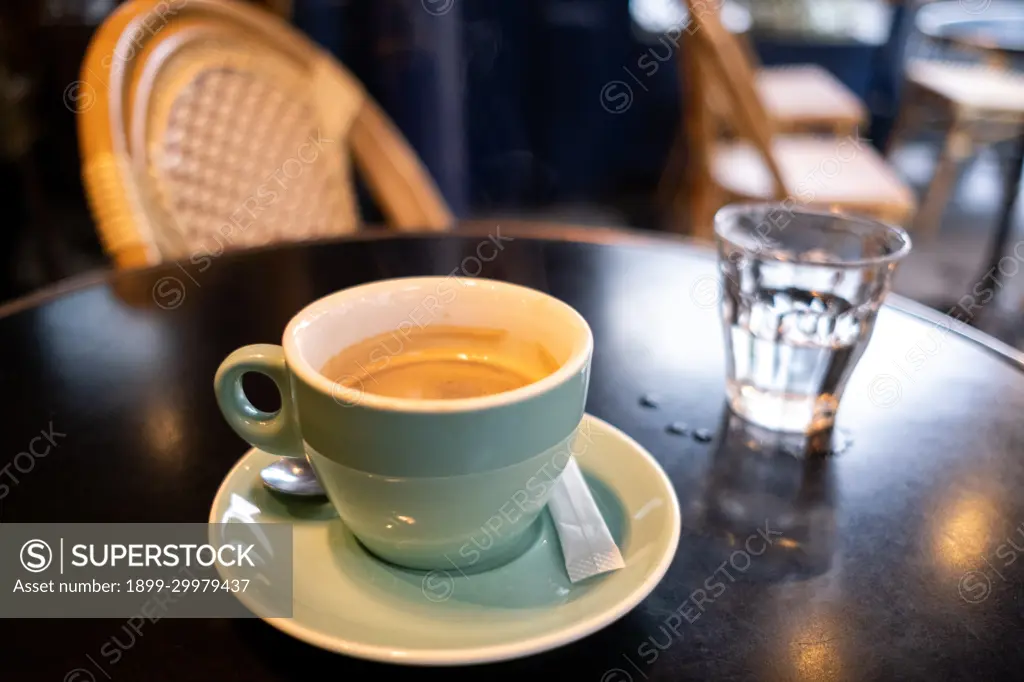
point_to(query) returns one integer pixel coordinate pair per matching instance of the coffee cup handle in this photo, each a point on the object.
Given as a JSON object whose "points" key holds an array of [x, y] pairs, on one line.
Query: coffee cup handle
{"points": [[274, 432]]}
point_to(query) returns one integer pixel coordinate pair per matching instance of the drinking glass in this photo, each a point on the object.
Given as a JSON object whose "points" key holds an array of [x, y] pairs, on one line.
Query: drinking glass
{"points": [[801, 291]]}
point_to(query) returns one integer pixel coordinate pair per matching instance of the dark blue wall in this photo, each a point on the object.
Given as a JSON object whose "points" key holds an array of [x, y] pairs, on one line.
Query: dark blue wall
{"points": [[518, 103]]}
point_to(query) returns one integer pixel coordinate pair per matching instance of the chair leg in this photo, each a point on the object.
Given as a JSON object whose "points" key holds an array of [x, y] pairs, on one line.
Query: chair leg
{"points": [[672, 180], [900, 125], [704, 201], [956, 147], [679, 218]]}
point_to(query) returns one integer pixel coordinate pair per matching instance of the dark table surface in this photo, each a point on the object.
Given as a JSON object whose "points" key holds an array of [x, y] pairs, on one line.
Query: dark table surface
{"points": [[900, 560]]}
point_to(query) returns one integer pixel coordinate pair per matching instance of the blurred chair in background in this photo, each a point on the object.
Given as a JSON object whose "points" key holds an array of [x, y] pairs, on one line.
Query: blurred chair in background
{"points": [[763, 165], [978, 105], [217, 126], [973, 103], [798, 98]]}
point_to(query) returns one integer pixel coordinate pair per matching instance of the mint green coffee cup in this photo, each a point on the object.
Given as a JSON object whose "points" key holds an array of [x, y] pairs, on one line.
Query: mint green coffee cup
{"points": [[427, 484]]}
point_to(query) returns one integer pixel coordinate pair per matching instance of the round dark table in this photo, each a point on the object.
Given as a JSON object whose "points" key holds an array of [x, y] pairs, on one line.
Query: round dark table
{"points": [[981, 25], [900, 557]]}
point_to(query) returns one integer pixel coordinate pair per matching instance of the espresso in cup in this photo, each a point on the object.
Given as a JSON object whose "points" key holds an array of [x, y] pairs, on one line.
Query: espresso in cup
{"points": [[441, 363]]}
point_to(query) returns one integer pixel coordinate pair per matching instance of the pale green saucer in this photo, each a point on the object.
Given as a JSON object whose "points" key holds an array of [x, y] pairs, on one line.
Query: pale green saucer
{"points": [[348, 601]]}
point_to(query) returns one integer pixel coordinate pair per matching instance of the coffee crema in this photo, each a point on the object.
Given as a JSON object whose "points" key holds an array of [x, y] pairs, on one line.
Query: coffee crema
{"points": [[440, 363]]}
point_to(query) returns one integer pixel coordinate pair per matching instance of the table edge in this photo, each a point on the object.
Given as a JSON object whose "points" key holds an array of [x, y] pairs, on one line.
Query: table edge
{"points": [[910, 307], [963, 43], [592, 234], [565, 232]]}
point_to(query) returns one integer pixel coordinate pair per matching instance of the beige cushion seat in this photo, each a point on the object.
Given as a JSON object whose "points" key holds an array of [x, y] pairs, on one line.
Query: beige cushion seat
{"points": [[843, 173], [970, 85], [807, 96]]}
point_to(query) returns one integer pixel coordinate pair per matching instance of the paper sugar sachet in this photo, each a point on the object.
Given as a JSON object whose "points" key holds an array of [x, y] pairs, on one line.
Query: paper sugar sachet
{"points": [[587, 544]]}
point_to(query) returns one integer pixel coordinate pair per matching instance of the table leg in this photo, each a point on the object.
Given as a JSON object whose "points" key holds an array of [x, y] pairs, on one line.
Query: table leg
{"points": [[1005, 227]]}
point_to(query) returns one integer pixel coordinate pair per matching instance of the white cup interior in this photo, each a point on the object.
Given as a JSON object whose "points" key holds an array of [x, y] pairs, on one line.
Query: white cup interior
{"points": [[397, 307]]}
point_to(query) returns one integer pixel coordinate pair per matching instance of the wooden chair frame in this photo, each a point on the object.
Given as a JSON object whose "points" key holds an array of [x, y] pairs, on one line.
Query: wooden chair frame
{"points": [[744, 53], [714, 54], [137, 40], [709, 47]]}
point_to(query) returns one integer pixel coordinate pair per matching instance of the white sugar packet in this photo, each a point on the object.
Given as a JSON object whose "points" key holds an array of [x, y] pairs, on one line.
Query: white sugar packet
{"points": [[587, 545]]}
